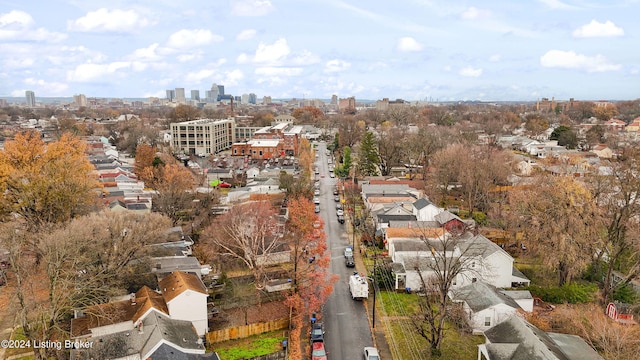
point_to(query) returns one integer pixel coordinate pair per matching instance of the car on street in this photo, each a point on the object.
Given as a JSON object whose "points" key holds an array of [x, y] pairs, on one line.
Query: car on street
{"points": [[317, 209], [350, 262], [371, 353], [348, 251], [336, 198], [316, 192], [316, 200], [317, 332], [318, 352], [332, 175], [341, 219], [335, 191], [339, 212], [338, 206]]}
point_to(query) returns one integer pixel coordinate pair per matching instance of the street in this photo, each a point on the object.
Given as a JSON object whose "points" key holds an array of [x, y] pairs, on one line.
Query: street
{"points": [[346, 323]]}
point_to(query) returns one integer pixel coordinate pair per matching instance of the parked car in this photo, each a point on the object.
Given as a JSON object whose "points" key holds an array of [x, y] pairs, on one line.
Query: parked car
{"points": [[335, 191], [339, 212], [318, 352], [341, 219], [336, 198], [316, 200], [350, 262], [371, 353], [317, 332], [338, 206], [332, 175], [348, 251], [317, 209], [316, 192]]}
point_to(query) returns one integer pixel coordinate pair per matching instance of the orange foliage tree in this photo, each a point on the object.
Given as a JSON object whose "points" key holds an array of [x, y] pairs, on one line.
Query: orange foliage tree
{"points": [[46, 183], [312, 281], [174, 191]]}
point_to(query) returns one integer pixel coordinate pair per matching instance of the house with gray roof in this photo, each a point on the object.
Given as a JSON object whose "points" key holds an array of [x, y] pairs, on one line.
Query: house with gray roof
{"points": [[517, 339], [485, 305]]}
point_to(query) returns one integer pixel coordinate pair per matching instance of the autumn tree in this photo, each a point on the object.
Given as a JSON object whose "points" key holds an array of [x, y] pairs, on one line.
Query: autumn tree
{"points": [[559, 216], [391, 151], [296, 186], [438, 115], [306, 156], [368, 157], [250, 233], [184, 113], [606, 112], [79, 263], [46, 183], [312, 281], [594, 136], [143, 164], [536, 124], [350, 129], [307, 114], [174, 191], [616, 194]]}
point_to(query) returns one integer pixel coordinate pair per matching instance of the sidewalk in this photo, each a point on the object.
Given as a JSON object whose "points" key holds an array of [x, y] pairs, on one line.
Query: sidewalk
{"points": [[378, 333]]}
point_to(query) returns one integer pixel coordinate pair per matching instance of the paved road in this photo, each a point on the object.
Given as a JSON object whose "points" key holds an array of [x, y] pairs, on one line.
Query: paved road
{"points": [[346, 323]]}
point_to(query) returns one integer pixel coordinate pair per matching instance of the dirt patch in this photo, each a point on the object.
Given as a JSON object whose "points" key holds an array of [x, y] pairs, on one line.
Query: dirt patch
{"points": [[252, 314]]}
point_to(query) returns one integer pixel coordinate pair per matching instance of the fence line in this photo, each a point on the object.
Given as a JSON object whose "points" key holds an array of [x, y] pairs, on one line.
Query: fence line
{"points": [[243, 331]]}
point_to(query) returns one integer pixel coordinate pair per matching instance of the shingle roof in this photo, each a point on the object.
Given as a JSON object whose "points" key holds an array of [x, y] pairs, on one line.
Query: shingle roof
{"points": [[178, 282], [414, 232], [480, 296], [421, 203]]}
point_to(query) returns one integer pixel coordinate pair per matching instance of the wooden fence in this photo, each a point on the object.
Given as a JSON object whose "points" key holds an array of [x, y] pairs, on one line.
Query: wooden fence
{"points": [[243, 331]]}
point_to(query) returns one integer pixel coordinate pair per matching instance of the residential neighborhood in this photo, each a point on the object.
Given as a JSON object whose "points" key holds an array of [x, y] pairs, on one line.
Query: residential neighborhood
{"points": [[474, 245]]}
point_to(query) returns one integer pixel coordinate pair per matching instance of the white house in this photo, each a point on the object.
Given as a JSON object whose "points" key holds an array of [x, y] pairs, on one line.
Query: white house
{"points": [[425, 210], [485, 305], [483, 260], [186, 299]]}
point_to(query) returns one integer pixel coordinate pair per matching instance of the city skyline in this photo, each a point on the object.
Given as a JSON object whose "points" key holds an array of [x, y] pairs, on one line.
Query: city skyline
{"points": [[444, 51]]}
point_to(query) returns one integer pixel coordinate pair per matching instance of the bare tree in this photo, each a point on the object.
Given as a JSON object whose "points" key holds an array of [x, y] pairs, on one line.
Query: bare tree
{"points": [[455, 259], [391, 151], [250, 233]]}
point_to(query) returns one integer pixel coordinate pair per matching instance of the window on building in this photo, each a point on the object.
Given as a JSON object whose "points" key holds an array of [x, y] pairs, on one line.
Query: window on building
{"points": [[487, 321], [474, 280]]}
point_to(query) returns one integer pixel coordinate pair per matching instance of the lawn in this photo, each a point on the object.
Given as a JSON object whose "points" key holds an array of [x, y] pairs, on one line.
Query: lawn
{"points": [[250, 347], [397, 308]]}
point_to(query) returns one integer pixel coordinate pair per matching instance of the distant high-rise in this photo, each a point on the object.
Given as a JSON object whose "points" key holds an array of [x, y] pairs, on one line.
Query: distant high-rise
{"points": [[171, 94], [212, 95], [253, 99], [180, 96], [266, 100], [195, 95], [244, 99], [31, 98], [220, 89], [80, 100], [334, 99]]}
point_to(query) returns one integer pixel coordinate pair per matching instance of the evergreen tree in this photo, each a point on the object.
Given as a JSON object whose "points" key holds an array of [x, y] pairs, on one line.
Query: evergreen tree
{"points": [[369, 158]]}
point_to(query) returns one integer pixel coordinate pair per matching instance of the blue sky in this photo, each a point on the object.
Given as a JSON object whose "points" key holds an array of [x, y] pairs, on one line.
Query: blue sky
{"points": [[370, 49]]}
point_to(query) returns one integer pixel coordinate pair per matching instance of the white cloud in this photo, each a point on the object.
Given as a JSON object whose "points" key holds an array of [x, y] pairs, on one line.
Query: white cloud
{"points": [[105, 20], [251, 7], [409, 44], [185, 39], [495, 57], [305, 57], [74, 54], [271, 54], [15, 20], [232, 78], [470, 72], [16, 25], [336, 66], [192, 56], [556, 4], [198, 76], [95, 72], [149, 53], [247, 34], [46, 88], [572, 60], [473, 13], [598, 29], [278, 71]]}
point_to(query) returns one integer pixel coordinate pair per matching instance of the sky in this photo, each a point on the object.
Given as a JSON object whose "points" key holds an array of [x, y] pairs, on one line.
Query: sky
{"points": [[434, 50]]}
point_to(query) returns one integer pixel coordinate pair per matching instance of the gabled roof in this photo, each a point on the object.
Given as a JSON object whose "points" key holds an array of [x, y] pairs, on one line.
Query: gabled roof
{"points": [[410, 245], [383, 218], [478, 245], [532, 343], [480, 296], [445, 216], [421, 203], [178, 282], [430, 233]]}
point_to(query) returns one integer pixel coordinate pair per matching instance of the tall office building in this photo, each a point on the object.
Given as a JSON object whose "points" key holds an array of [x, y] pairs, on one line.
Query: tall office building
{"points": [[266, 100], [244, 99], [205, 136], [253, 99], [79, 100], [195, 95], [171, 94], [180, 96], [220, 89], [31, 98], [334, 99]]}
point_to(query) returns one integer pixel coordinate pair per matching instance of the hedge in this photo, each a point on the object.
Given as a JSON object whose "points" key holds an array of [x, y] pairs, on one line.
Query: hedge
{"points": [[568, 293]]}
